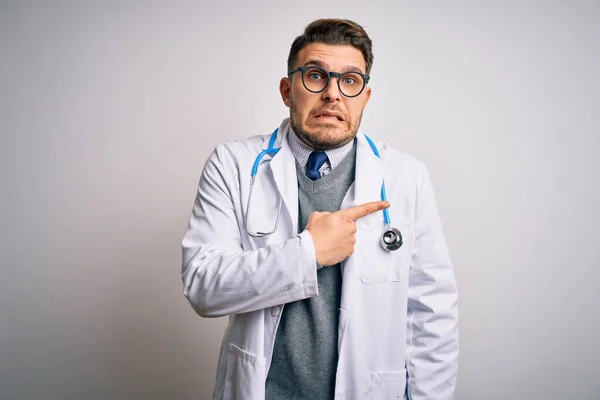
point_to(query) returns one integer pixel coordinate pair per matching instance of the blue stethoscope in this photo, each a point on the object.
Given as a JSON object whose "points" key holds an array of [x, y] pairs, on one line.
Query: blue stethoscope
{"points": [[391, 238]]}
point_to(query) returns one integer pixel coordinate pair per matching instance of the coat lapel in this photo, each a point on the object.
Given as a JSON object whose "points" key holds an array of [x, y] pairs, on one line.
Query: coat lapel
{"points": [[283, 166], [367, 183]]}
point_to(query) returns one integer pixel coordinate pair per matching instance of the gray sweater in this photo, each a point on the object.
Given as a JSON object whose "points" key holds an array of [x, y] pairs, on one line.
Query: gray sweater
{"points": [[305, 352]]}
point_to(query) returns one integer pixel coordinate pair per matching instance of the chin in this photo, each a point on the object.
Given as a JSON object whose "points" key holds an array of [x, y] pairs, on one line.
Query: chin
{"points": [[327, 126], [326, 131], [328, 137], [322, 135]]}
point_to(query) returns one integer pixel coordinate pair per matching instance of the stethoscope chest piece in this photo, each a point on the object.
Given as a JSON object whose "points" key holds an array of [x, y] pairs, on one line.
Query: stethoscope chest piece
{"points": [[391, 239]]}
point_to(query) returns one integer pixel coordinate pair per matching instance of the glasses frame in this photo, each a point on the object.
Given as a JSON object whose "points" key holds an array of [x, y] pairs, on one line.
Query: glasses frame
{"points": [[338, 75]]}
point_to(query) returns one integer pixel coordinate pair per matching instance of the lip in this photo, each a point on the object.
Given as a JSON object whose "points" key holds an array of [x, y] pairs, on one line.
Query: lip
{"points": [[329, 114]]}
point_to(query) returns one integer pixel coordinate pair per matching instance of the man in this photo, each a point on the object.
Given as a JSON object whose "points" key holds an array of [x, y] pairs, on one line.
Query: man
{"points": [[319, 307]]}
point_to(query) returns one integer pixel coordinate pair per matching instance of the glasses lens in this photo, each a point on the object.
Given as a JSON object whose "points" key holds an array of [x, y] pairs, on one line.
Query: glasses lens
{"points": [[351, 84], [315, 79]]}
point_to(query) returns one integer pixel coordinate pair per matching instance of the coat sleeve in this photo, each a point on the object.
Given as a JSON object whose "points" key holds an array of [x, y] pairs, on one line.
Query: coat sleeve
{"points": [[432, 331], [219, 278]]}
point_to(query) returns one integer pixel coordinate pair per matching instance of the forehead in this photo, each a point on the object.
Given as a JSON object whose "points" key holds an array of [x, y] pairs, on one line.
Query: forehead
{"points": [[332, 57]]}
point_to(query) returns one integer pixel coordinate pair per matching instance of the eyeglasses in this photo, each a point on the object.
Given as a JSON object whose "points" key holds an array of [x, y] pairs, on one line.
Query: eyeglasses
{"points": [[315, 80]]}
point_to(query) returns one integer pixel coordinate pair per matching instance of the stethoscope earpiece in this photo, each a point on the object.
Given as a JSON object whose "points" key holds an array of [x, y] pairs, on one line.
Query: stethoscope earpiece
{"points": [[391, 239]]}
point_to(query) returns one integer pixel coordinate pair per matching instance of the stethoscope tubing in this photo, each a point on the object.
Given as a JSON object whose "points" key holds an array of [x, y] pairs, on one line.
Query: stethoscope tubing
{"points": [[272, 151]]}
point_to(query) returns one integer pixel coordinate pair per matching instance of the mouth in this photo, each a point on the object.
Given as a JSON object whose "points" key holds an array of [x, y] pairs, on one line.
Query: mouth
{"points": [[329, 116]]}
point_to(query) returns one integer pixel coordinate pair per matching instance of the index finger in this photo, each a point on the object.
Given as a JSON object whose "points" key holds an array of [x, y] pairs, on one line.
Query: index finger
{"points": [[363, 210]]}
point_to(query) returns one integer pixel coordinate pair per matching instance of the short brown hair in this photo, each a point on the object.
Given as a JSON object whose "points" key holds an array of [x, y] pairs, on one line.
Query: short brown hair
{"points": [[333, 31]]}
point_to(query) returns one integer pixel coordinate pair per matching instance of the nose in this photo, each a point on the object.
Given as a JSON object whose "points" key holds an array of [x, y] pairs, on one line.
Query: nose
{"points": [[332, 93]]}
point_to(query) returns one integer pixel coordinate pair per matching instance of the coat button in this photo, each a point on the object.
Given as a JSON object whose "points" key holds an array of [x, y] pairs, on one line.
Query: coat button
{"points": [[275, 311]]}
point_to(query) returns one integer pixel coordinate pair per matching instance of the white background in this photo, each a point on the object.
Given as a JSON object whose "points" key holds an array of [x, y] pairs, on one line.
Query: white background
{"points": [[108, 111]]}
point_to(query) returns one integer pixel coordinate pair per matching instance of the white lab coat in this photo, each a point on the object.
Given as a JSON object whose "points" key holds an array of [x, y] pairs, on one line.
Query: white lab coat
{"points": [[398, 334]]}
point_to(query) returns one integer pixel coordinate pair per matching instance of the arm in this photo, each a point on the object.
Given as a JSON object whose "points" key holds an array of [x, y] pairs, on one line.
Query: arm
{"points": [[219, 277], [432, 348]]}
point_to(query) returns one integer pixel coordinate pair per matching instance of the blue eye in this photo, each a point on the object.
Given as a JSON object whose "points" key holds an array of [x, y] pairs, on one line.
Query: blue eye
{"points": [[315, 74], [352, 79]]}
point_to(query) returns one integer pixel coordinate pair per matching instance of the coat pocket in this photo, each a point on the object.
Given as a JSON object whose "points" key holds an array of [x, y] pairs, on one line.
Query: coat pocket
{"points": [[389, 385], [245, 376], [379, 265]]}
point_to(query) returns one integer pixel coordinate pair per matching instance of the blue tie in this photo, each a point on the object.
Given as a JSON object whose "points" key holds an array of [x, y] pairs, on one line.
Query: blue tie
{"points": [[315, 162]]}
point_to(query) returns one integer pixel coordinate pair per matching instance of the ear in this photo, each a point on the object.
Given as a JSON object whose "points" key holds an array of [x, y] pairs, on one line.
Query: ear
{"points": [[367, 95], [285, 88]]}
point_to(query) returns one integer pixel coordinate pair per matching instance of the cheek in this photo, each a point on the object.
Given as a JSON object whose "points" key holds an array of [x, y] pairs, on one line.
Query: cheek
{"points": [[354, 111], [302, 103]]}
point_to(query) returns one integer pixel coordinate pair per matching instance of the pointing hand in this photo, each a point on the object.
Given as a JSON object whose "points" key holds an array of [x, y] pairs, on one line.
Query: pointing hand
{"points": [[333, 233]]}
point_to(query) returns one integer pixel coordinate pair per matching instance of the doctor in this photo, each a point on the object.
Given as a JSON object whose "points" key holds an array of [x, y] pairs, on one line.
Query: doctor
{"points": [[331, 291]]}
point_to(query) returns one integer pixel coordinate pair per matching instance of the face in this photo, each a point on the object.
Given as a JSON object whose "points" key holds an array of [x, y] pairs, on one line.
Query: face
{"points": [[325, 120]]}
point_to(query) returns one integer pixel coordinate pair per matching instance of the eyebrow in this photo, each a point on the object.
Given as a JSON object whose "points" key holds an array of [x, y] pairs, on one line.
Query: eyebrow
{"points": [[323, 65]]}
